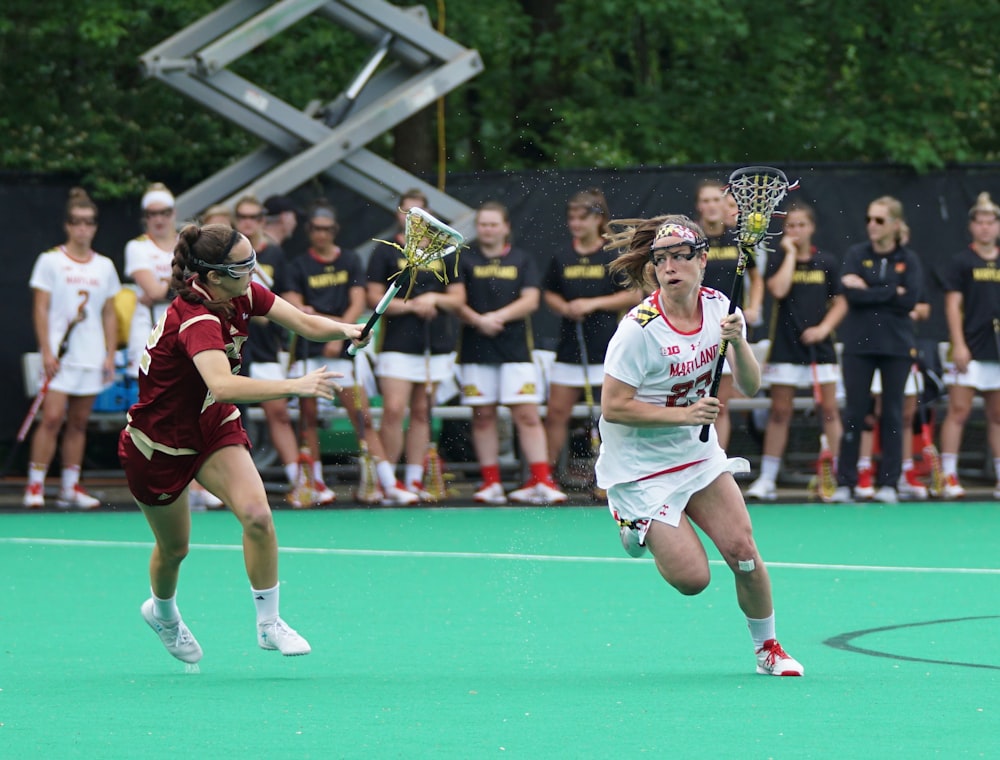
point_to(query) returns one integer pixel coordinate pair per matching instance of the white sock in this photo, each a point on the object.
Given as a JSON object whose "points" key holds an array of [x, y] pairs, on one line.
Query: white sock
{"points": [[949, 464], [907, 465], [36, 474], [761, 630], [769, 467], [292, 473], [318, 471], [70, 477], [864, 463], [414, 474], [165, 609], [386, 474], [266, 602]]}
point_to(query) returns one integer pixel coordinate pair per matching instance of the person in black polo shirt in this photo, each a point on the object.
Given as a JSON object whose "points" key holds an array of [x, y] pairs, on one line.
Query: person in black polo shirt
{"points": [[502, 287]]}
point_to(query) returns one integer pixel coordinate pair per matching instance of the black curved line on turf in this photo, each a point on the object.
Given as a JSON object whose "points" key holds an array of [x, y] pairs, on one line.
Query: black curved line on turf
{"points": [[842, 642]]}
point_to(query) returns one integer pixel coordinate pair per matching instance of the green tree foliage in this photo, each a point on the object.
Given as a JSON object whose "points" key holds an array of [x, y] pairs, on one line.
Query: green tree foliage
{"points": [[566, 84]]}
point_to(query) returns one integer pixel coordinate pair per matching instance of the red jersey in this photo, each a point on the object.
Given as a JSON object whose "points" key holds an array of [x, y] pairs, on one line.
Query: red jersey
{"points": [[175, 412]]}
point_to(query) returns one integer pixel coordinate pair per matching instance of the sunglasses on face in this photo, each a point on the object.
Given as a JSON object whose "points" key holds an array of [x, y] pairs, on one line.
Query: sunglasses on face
{"points": [[876, 219], [322, 228], [164, 212], [73, 221], [258, 215]]}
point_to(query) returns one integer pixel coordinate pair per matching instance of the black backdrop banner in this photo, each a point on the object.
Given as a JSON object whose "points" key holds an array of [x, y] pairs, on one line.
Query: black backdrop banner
{"points": [[936, 207]]}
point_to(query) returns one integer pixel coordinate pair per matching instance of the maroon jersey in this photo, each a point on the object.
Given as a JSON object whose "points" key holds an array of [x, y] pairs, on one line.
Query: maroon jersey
{"points": [[175, 411]]}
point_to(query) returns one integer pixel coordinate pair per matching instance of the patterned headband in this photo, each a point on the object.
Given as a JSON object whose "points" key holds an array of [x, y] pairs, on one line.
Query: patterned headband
{"points": [[672, 229]]}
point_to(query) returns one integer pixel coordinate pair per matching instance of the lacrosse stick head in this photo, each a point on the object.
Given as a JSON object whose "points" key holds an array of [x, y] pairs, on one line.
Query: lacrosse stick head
{"points": [[757, 191], [427, 239]]}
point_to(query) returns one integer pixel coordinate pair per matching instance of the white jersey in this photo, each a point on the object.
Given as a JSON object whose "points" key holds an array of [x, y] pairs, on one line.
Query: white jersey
{"points": [[142, 253], [73, 285], [667, 367]]}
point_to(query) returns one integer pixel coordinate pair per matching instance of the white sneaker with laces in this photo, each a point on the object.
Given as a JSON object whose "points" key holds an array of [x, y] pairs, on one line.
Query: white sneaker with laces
{"points": [[34, 496], [539, 493], [842, 495], [417, 489], [762, 490], [953, 489], [277, 635], [399, 496], [175, 636], [491, 494], [77, 499], [772, 660], [886, 495], [630, 542]]}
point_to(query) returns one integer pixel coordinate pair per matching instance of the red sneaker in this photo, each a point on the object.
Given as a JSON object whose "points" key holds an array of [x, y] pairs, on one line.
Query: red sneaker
{"points": [[864, 489]]}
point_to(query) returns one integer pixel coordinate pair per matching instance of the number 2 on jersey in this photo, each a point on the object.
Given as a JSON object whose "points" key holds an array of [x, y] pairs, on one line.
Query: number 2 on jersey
{"points": [[679, 392]]}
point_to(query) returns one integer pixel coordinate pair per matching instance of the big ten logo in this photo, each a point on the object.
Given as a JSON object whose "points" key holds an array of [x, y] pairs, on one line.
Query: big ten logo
{"points": [[670, 350]]}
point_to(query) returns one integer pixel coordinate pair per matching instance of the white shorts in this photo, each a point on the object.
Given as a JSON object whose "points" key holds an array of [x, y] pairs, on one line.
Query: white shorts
{"points": [[571, 375], [914, 384], [799, 375], [78, 381], [267, 371], [344, 366], [414, 367], [665, 497], [983, 376], [509, 384]]}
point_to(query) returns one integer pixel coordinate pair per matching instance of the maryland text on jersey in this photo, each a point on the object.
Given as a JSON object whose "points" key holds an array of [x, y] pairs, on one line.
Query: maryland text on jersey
{"points": [[988, 273]]}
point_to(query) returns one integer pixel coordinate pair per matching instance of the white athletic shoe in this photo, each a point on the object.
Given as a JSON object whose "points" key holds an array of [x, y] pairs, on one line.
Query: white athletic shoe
{"points": [[772, 660], [200, 499], [175, 636], [630, 542], [864, 489], [762, 490], [491, 494], [275, 634], [34, 496], [539, 493], [324, 495], [842, 495], [953, 489], [417, 489], [910, 487], [77, 499], [399, 497], [886, 495]]}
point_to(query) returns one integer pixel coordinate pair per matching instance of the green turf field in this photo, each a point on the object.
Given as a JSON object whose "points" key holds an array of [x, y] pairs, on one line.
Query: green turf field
{"points": [[467, 633]]}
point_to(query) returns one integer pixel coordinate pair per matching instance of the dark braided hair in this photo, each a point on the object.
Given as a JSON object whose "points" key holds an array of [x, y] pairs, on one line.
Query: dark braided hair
{"points": [[210, 244]]}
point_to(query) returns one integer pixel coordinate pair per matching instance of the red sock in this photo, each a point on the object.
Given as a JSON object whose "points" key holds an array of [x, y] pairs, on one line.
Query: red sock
{"points": [[540, 473], [491, 474]]}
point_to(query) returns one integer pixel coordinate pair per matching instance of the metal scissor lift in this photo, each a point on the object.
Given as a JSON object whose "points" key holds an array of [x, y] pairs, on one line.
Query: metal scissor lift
{"points": [[323, 139]]}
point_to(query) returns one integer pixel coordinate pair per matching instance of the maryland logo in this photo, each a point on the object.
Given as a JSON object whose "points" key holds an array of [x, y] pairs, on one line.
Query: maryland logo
{"points": [[644, 314], [528, 389], [471, 391]]}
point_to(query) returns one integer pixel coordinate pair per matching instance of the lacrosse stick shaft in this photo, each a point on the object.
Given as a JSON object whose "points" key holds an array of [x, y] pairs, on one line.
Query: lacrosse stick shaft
{"points": [[588, 391], [736, 294], [382, 305], [433, 473]]}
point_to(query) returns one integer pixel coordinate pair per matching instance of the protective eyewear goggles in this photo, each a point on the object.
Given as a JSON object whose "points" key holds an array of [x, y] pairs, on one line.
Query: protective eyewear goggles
{"points": [[235, 269], [662, 253]]}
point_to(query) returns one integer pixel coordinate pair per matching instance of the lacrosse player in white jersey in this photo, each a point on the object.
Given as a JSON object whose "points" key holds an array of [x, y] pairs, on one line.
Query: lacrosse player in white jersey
{"points": [[660, 478], [77, 333]]}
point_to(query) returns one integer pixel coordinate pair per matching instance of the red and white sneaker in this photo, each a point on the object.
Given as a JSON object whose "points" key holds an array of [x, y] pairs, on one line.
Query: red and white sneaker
{"points": [[34, 496], [397, 496], [952, 488], [417, 489], [323, 495], [538, 493], [864, 489], [77, 499], [909, 486], [491, 494], [772, 660]]}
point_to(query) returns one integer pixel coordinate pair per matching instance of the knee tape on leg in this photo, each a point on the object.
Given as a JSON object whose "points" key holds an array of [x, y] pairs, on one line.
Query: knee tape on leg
{"points": [[746, 565]]}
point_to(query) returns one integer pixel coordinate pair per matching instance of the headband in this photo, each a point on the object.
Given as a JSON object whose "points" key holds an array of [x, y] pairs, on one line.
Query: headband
{"points": [[157, 196], [672, 229]]}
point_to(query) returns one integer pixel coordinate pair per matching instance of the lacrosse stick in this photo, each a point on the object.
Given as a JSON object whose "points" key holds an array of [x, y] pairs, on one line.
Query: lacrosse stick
{"points": [[304, 490], [434, 483], [757, 191], [826, 478], [588, 399], [36, 404], [368, 491], [929, 452], [426, 240]]}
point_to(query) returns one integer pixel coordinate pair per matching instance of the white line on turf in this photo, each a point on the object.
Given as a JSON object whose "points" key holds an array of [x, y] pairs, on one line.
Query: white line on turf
{"points": [[406, 553]]}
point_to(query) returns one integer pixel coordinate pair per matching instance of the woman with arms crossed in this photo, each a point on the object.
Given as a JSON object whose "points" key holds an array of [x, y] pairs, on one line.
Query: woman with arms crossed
{"points": [[186, 424], [659, 476]]}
